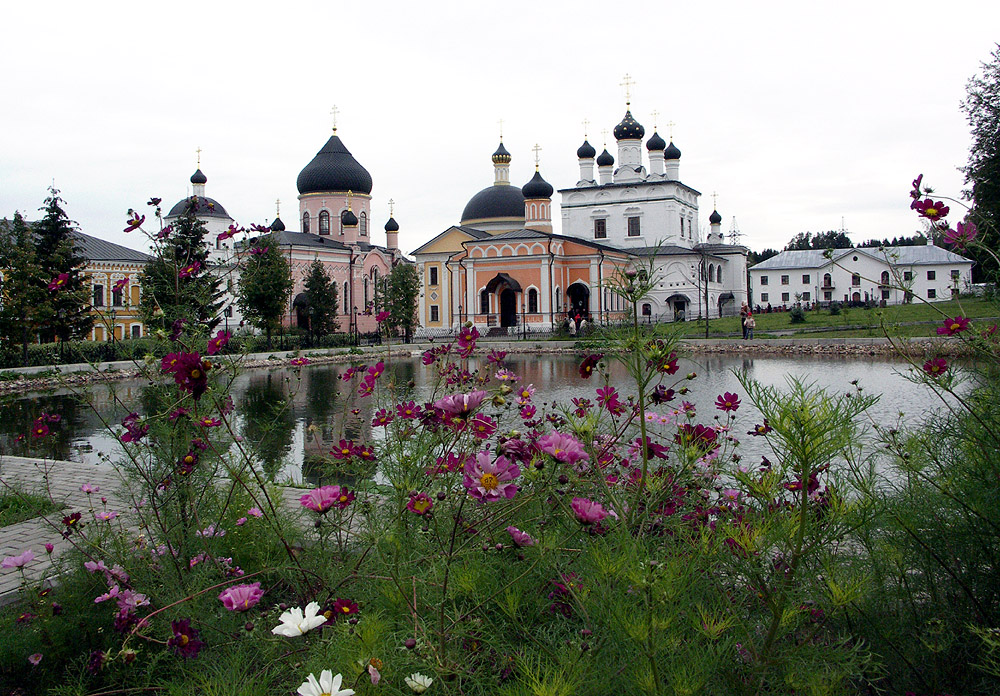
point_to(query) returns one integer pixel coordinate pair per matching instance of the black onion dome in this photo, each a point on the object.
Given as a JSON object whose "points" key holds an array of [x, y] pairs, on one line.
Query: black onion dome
{"points": [[501, 156], [655, 143], [671, 152], [201, 206], [277, 225], [629, 128], [715, 218], [495, 202], [586, 151], [537, 188], [348, 218], [199, 177], [392, 225], [334, 169], [605, 159]]}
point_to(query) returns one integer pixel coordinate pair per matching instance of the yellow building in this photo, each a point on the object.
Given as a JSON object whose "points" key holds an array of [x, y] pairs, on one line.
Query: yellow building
{"points": [[112, 271]]}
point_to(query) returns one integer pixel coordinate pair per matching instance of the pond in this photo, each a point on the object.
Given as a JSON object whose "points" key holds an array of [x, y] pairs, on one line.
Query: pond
{"points": [[296, 416]]}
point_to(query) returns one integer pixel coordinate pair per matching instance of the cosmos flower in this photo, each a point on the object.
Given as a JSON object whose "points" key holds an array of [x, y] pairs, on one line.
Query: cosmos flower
{"points": [[381, 317], [185, 639], [19, 561], [299, 362], [241, 597], [589, 364], [929, 209], [727, 402], [565, 448], [189, 270], [344, 607], [35, 658], [59, 282], [218, 342], [420, 504], [106, 515], [520, 538], [418, 682], [915, 193], [458, 407], [936, 367], [953, 326], [135, 221], [120, 285], [296, 622], [209, 422], [587, 511], [486, 479], [962, 236], [258, 250], [326, 685]]}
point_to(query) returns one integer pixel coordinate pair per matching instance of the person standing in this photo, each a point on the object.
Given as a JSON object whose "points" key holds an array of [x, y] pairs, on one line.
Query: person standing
{"points": [[748, 326], [744, 311]]}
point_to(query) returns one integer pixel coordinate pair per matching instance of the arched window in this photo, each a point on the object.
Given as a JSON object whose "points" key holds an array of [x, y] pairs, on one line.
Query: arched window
{"points": [[532, 301], [718, 274], [324, 222], [366, 293], [558, 304], [305, 221], [711, 272], [346, 300], [363, 224], [484, 302], [827, 280], [647, 309], [885, 277]]}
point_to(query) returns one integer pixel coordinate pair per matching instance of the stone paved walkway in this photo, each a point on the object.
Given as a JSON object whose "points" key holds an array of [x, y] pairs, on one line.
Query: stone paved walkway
{"points": [[60, 480]]}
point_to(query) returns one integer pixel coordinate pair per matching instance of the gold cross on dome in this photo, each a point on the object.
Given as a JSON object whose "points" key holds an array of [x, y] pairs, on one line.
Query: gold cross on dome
{"points": [[585, 123], [627, 84], [671, 125], [604, 132], [655, 115], [715, 200], [198, 152], [392, 205], [277, 207], [500, 122], [333, 112], [537, 148]]}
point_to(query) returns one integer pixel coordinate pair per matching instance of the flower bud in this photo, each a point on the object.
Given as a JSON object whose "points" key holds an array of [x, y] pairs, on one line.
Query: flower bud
{"points": [[248, 626], [692, 375], [410, 643], [441, 495], [563, 479]]}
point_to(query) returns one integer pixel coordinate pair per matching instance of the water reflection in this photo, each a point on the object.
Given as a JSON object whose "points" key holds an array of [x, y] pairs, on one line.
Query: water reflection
{"points": [[296, 417]]}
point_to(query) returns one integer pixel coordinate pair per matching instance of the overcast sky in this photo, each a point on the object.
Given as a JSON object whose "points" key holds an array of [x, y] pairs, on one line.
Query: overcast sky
{"points": [[798, 114]]}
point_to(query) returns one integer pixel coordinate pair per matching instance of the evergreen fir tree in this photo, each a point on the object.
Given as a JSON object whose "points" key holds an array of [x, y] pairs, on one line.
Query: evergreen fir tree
{"points": [[64, 314], [322, 294], [265, 285], [22, 297], [402, 289], [179, 282]]}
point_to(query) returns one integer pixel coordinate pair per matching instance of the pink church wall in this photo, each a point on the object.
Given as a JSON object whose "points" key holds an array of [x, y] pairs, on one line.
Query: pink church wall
{"points": [[335, 204]]}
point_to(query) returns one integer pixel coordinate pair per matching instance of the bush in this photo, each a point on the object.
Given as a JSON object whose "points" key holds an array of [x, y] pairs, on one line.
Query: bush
{"points": [[796, 315], [834, 309]]}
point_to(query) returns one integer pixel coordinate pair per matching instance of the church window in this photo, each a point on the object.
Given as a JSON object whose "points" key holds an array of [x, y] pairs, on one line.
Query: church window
{"points": [[434, 313], [136, 331], [682, 226], [600, 229], [484, 302], [884, 280], [324, 222], [807, 297], [116, 298], [856, 279], [711, 272], [647, 309], [633, 227], [433, 275], [347, 306], [366, 293], [305, 221], [532, 301], [718, 274], [363, 224], [98, 295], [558, 304]]}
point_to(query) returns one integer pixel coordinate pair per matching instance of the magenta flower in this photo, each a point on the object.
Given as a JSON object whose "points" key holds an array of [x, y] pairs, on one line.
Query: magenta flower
{"points": [[230, 233], [49, 548], [209, 422], [134, 430], [59, 282], [189, 270], [929, 209], [19, 561], [322, 499], [915, 193], [185, 639], [698, 435], [588, 511], [344, 607], [35, 658], [382, 418], [345, 449], [482, 426], [106, 515], [520, 538], [727, 402], [381, 317], [255, 512], [89, 489], [496, 356], [429, 357], [964, 235], [241, 597], [589, 364], [459, 407], [565, 448], [134, 222], [936, 367], [120, 285], [487, 479], [258, 251], [420, 504], [505, 375], [299, 362], [607, 397], [218, 342], [528, 412], [953, 326], [190, 372]]}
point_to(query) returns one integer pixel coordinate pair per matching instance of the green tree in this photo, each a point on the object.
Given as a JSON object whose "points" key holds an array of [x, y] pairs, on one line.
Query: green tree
{"points": [[64, 314], [22, 295], [322, 294], [265, 285], [402, 289], [832, 239], [982, 174], [179, 283]]}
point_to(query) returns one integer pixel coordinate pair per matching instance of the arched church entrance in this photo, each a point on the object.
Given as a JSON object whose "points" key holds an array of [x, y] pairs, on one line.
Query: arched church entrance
{"points": [[301, 306], [508, 307], [679, 305], [578, 297]]}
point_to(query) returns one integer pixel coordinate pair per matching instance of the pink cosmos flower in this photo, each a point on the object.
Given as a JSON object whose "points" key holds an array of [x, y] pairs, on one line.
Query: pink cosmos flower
{"points": [[565, 448], [210, 531], [258, 251], [120, 285], [496, 356], [59, 282], [374, 674], [89, 489], [255, 512], [218, 342], [299, 362], [134, 221], [520, 538], [964, 235], [458, 407], [607, 396], [482, 426], [428, 357], [953, 326], [505, 375], [727, 402], [241, 597], [35, 658], [49, 548], [322, 499], [589, 364], [381, 317], [241, 521], [189, 270], [486, 479], [936, 367], [185, 639], [587, 511], [525, 393], [209, 422], [106, 516], [382, 418], [420, 504], [230, 233], [929, 209], [528, 412], [19, 561]]}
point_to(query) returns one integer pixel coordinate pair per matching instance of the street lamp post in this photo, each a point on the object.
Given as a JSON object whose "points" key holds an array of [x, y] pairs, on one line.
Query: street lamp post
{"points": [[357, 332], [460, 322], [524, 327]]}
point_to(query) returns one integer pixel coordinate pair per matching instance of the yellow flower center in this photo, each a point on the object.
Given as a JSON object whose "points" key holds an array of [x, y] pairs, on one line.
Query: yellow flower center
{"points": [[489, 481], [421, 505], [188, 459], [955, 326], [931, 212], [556, 453], [328, 613], [343, 498], [184, 639], [195, 374], [375, 662]]}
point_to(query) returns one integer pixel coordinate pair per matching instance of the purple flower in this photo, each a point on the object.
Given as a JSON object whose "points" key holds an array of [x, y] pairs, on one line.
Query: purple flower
{"points": [[953, 326], [520, 538], [88, 488], [727, 402], [587, 511], [218, 342], [459, 407], [964, 235], [189, 270], [565, 448], [420, 504], [106, 516], [936, 367], [185, 639], [323, 499], [381, 317], [487, 479], [241, 597], [255, 512], [35, 658], [59, 282], [19, 561]]}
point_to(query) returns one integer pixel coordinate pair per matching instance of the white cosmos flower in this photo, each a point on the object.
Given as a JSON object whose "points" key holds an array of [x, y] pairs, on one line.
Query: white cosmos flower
{"points": [[327, 685], [296, 623], [418, 682]]}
